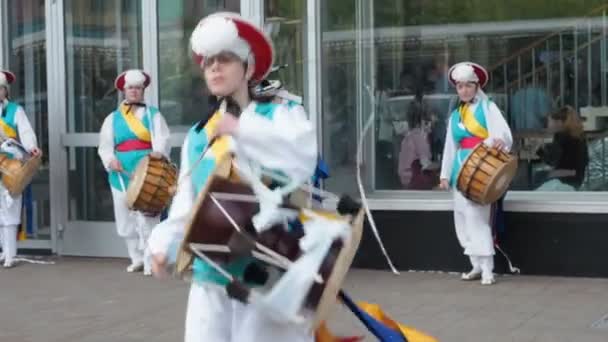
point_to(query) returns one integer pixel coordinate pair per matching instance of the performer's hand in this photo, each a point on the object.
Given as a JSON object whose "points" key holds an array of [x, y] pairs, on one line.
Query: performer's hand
{"points": [[499, 144], [36, 152], [115, 165], [228, 125], [159, 266], [444, 184], [156, 155]]}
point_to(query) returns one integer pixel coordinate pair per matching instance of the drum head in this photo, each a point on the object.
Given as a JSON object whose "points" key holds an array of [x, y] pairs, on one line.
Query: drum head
{"points": [[137, 181], [499, 183], [18, 176]]}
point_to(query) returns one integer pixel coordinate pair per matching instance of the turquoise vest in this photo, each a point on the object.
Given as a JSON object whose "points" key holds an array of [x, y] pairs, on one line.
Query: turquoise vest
{"points": [[129, 159], [9, 112], [459, 132]]}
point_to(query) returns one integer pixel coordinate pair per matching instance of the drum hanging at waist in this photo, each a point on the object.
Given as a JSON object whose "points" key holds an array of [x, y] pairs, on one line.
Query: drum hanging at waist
{"points": [[486, 174], [224, 204], [152, 186]]}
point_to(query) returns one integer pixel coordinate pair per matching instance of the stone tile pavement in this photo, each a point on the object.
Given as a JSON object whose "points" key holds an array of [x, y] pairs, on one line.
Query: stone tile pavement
{"points": [[94, 300]]}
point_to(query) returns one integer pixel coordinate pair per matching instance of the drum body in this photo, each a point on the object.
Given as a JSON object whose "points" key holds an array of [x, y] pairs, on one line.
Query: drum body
{"points": [[152, 185], [486, 174], [18, 174], [209, 225]]}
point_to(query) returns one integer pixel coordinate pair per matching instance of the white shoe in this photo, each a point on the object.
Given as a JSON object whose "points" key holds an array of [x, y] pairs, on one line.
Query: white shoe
{"points": [[135, 267], [9, 264], [147, 272], [473, 275], [488, 280]]}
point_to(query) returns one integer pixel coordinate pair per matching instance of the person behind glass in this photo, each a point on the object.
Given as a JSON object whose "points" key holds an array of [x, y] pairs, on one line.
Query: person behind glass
{"points": [[476, 120], [133, 131], [567, 153], [234, 56], [14, 124], [416, 169]]}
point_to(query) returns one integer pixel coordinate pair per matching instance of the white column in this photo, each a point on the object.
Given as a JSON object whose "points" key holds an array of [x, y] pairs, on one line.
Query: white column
{"points": [[253, 10], [56, 75], [150, 49]]}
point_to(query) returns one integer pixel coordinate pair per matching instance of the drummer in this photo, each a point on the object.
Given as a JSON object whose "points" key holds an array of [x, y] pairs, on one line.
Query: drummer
{"points": [[15, 125], [127, 135], [476, 119], [234, 56]]}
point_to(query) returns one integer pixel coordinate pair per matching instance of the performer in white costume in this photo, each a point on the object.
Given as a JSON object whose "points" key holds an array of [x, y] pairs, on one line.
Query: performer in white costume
{"points": [[476, 120], [14, 124], [234, 56], [128, 134]]}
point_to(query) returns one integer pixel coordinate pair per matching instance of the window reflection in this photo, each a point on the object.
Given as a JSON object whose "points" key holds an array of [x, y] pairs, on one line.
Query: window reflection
{"points": [[539, 60]]}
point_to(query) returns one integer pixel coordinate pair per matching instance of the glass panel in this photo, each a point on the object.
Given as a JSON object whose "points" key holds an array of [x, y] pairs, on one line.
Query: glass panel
{"points": [[103, 38], [285, 23], [90, 197], [339, 84], [540, 55], [27, 59], [182, 99]]}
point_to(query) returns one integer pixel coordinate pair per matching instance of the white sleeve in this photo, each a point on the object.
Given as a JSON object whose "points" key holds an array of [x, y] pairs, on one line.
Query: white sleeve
{"points": [[449, 152], [106, 142], [287, 142], [167, 236], [497, 126], [27, 136], [161, 135]]}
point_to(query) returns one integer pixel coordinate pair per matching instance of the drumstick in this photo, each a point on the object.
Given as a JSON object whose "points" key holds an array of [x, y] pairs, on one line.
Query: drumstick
{"points": [[124, 172], [192, 167]]}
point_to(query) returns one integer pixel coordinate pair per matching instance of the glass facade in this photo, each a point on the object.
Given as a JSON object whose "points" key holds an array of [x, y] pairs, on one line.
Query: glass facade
{"points": [[541, 56], [285, 24], [27, 59], [382, 60]]}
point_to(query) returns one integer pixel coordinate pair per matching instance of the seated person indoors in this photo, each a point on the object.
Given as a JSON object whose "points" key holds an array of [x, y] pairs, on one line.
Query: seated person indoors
{"points": [[416, 169], [567, 154]]}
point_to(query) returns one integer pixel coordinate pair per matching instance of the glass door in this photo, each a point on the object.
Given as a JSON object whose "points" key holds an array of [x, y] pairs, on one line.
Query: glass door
{"points": [[101, 39], [25, 56]]}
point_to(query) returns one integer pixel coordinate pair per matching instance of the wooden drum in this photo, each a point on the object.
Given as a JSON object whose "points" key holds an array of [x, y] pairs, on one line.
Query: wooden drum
{"points": [[152, 185], [486, 174], [209, 226], [18, 174]]}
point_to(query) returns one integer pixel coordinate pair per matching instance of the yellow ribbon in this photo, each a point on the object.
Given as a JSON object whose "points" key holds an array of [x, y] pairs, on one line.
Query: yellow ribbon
{"points": [[221, 144], [9, 131], [471, 123], [411, 334], [135, 125]]}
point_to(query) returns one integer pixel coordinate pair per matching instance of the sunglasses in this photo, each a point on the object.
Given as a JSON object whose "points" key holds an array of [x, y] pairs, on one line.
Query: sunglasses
{"points": [[221, 58]]}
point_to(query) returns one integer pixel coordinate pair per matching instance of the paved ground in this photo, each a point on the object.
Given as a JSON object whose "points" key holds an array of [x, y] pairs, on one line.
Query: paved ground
{"points": [[92, 300]]}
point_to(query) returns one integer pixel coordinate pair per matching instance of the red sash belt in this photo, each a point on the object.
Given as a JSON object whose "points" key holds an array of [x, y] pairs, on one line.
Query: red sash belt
{"points": [[133, 145], [470, 142]]}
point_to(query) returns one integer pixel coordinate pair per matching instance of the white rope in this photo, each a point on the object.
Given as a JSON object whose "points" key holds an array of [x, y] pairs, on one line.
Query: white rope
{"points": [[512, 268], [278, 257], [364, 202], [32, 261], [263, 248]]}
